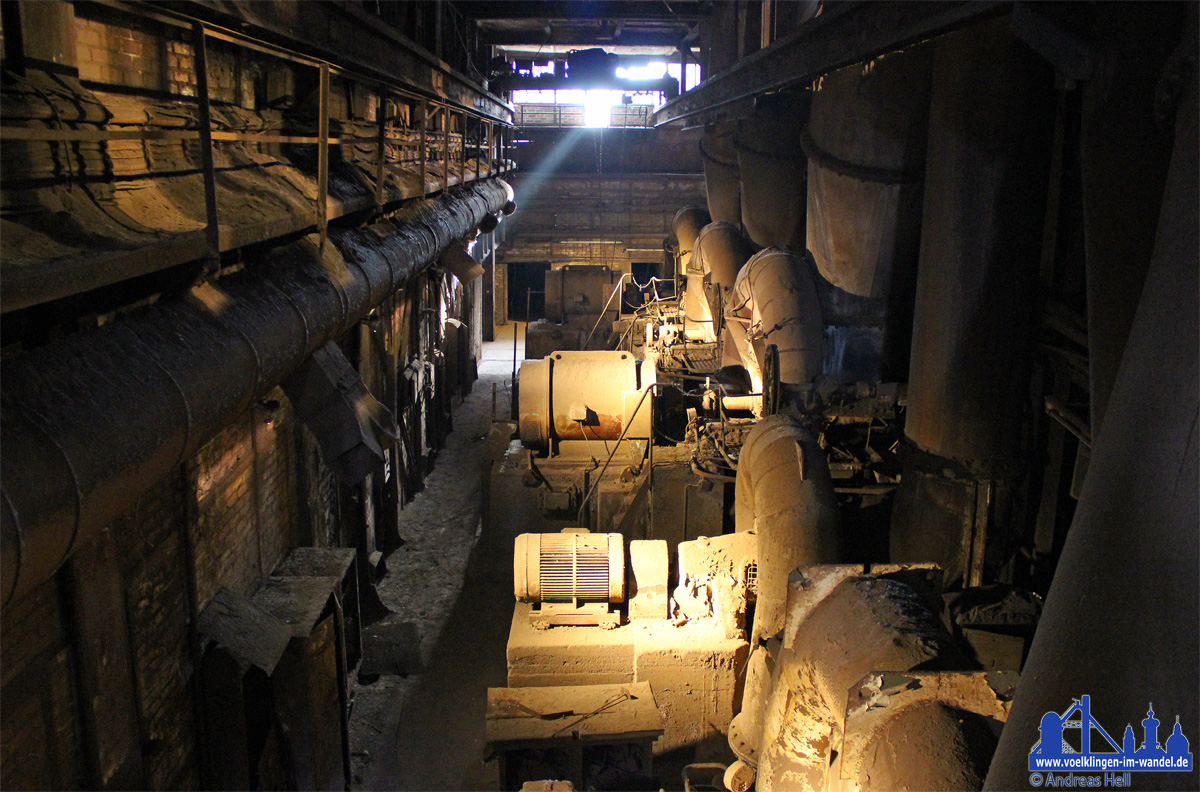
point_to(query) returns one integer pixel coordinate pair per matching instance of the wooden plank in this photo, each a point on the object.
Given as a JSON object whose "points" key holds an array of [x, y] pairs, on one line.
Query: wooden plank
{"points": [[588, 713], [251, 633], [298, 602]]}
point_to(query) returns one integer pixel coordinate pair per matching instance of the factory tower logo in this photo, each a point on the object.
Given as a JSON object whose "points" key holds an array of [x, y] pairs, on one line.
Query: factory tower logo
{"points": [[1054, 753]]}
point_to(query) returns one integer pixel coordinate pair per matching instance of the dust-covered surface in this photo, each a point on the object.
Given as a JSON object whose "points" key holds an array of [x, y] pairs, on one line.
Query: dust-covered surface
{"points": [[396, 728]]}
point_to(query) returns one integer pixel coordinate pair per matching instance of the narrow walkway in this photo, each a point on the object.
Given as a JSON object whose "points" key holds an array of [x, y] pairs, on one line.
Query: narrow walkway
{"points": [[425, 732]]}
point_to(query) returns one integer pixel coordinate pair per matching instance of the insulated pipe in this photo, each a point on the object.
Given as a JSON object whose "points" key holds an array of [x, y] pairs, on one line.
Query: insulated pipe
{"points": [[75, 458], [785, 494], [773, 170], [722, 179], [774, 301], [1122, 615], [721, 252]]}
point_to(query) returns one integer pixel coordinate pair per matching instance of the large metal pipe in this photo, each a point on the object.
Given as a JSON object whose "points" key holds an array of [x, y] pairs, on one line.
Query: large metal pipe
{"points": [[774, 301], [722, 180], [721, 249], [975, 320], [75, 457], [697, 318], [785, 494], [772, 170], [721, 252], [840, 625], [1122, 615]]}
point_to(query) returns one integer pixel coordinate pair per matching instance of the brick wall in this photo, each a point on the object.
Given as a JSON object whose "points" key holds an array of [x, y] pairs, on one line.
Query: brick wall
{"points": [[109, 52], [235, 501], [38, 724], [154, 571], [223, 520]]}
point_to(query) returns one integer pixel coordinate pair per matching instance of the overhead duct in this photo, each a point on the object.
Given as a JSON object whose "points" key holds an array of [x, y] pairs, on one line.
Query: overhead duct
{"points": [[865, 145], [191, 364], [459, 261], [774, 301], [773, 171], [350, 424], [785, 494], [722, 179]]}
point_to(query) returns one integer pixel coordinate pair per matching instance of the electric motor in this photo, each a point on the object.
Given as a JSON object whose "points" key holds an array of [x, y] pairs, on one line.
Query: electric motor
{"points": [[570, 567]]}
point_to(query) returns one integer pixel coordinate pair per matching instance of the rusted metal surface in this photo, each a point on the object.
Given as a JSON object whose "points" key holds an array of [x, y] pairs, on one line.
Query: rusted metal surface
{"points": [[580, 396]]}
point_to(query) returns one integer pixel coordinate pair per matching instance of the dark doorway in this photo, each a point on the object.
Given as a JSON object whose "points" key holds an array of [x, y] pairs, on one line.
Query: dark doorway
{"points": [[527, 289]]}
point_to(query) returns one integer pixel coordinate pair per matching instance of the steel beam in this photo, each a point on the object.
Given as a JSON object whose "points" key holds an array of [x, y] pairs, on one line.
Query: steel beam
{"points": [[843, 34]]}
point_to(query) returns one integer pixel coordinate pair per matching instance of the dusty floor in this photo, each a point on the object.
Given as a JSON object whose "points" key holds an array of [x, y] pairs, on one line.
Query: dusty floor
{"points": [[425, 731]]}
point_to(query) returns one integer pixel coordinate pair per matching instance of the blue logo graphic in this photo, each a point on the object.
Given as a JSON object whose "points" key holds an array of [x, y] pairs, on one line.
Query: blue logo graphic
{"points": [[1054, 753]]}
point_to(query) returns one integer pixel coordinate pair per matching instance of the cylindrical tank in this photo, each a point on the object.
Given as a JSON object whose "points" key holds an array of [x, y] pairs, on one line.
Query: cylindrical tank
{"points": [[583, 396], [865, 145], [722, 179], [773, 170], [572, 566]]}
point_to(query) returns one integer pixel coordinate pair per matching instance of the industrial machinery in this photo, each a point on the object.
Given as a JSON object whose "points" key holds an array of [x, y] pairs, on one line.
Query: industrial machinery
{"points": [[573, 577], [723, 444]]}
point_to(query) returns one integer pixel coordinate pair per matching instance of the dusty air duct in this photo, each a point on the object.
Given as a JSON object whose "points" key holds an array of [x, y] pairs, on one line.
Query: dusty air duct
{"points": [[698, 321], [772, 170], [73, 458], [785, 494], [350, 425], [774, 301], [722, 179], [865, 145]]}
